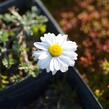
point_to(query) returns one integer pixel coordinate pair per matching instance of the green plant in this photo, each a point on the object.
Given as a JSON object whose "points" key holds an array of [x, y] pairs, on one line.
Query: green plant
{"points": [[17, 34]]}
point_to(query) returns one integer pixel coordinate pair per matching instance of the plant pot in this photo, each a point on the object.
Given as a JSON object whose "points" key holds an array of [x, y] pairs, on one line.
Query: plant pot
{"points": [[30, 89]]}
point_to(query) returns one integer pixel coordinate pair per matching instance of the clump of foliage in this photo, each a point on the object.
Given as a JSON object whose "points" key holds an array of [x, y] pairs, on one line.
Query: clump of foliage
{"points": [[87, 22], [17, 34]]}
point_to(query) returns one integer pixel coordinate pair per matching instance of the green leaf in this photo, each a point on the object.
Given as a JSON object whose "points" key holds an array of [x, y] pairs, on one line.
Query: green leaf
{"points": [[4, 36]]}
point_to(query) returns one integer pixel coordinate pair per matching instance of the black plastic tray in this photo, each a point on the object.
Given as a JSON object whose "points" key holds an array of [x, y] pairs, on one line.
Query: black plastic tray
{"points": [[30, 89]]}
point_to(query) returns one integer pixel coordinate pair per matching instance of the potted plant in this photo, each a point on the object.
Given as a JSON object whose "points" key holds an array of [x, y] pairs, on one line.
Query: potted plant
{"points": [[30, 88]]}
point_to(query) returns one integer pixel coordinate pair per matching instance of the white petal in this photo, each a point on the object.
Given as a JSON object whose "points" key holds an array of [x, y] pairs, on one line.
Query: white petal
{"points": [[43, 55], [64, 69], [67, 60], [69, 45], [54, 72], [60, 39], [72, 63], [48, 69], [56, 64], [52, 65], [63, 66], [43, 64], [49, 38], [70, 54], [36, 54], [41, 45]]}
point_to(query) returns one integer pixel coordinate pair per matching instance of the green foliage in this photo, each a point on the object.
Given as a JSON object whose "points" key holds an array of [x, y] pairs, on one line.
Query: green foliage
{"points": [[29, 20], [105, 67], [29, 68], [8, 61], [16, 46], [8, 18], [3, 36], [4, 81], [17, 35]]}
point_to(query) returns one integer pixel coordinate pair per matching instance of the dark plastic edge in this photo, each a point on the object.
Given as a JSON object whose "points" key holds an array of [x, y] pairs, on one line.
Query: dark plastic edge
{"points": [[88, 98], [25, 92], [8, 3]]}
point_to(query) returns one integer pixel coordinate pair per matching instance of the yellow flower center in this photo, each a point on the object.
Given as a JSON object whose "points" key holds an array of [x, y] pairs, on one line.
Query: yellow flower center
{"points": [[55, 50]]}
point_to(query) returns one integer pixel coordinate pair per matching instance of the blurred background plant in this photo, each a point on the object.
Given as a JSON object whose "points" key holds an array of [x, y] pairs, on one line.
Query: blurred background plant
{"points": [[18, 31], [87, 23]]}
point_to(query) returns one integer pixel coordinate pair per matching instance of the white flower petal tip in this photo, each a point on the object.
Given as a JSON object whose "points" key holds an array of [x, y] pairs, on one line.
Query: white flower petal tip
{"points": [[55, 52]]}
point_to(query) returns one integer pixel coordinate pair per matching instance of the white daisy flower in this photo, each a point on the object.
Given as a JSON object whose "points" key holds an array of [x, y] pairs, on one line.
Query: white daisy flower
{"points": [[55, 53]]}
